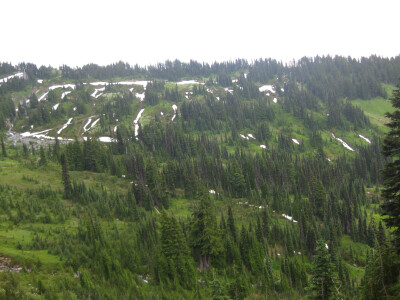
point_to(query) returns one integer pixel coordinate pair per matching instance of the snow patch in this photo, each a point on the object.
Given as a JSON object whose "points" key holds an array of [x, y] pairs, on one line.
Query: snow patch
{"points": [[87, 124], [136, 122], [189, 82], [43, 97], [267, 87], [65, 86], [343, 143], [64, 126], [105, 139], [55, 106], [140, 96], [94, 123], [65, 94], [94, 94], [289, 218], [174, 107], [363, 137], [19, 75]]}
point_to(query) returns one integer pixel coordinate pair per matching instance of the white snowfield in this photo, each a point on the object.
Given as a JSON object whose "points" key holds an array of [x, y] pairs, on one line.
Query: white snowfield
{"points": [[228, 90], [87, 124], [42, 135], [94, 94], [296, 141], [140, 96], [267, 87], [136, 122], [289, 218], [189, 82], [94, 123], [64, 126], [343, 143], [65, 86], [263, 146], [43, 96], [55, 106], [19, 75], [174, 107], [364, 138], [106, 139], [65, 94]]}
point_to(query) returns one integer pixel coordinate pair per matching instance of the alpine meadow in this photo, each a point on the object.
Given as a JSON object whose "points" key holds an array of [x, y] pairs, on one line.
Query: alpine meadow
{"points": [[188, 180]]}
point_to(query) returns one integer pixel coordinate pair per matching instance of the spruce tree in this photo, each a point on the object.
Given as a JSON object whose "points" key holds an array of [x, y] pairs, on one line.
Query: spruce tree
{"points": [[65, 177], [391, 171], [3, 147], [322, 280]]}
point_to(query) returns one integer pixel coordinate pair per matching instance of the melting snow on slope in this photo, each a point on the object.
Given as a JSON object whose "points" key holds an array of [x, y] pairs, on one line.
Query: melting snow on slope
{"points": [[12, 76], [343, 143], [228, 90], [43, 96], [94, 123], [267, 87], [189, 82], [65, 86], [55, 106], [289, 218], [136, 122], [296, 141], [363, 137], [65, 126], [174, 107], [140, 96], [94, 94], [106, 139], [87, 124], [65, 94]]}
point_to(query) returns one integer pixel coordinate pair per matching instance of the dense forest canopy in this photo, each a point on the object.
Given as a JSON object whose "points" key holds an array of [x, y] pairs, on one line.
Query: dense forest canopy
{"points": [[232, 180]]}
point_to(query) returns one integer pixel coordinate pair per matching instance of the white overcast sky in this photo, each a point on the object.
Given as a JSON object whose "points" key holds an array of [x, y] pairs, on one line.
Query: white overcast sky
{"points": [[146, 32]]}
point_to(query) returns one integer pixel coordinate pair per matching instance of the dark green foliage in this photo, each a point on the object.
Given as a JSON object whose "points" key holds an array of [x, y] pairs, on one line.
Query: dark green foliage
{"points": [[65, 176], [323, 277], [391, 172]]}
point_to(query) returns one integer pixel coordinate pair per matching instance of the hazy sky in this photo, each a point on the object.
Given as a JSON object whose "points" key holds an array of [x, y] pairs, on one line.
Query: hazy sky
{"points": [[146, 32]]}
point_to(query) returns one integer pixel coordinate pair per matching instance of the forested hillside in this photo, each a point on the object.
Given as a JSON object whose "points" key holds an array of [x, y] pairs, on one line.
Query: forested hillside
{"points": [[235, 180]]}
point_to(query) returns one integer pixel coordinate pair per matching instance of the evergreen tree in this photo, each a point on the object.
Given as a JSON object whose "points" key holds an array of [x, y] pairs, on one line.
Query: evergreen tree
{"points": [[3, 147], [65, 176], [205, 235], [391, 172], [322, 280]]}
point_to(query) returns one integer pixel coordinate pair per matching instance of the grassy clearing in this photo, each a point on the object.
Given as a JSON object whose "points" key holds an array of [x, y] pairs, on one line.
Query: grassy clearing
{"points": [[376, 109]]}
